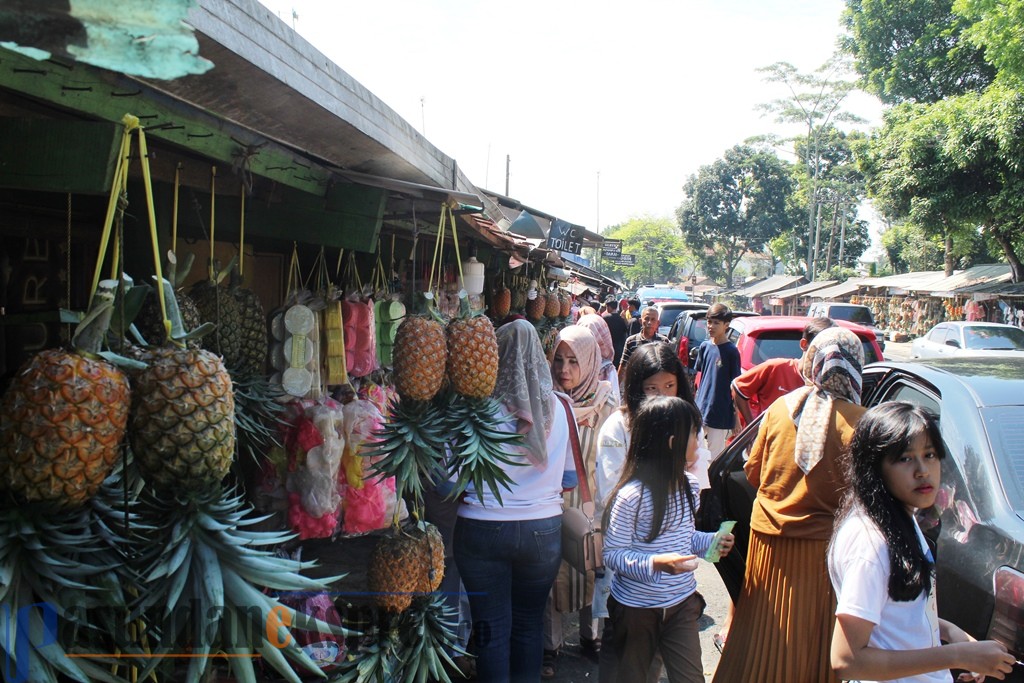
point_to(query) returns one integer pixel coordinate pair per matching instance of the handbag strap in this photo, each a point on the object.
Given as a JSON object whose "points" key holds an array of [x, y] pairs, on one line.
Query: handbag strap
{"points": [[577, 456]]}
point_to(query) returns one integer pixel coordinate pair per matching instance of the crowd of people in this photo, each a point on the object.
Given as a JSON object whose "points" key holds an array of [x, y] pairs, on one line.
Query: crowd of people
{"points": [[820, 601]]}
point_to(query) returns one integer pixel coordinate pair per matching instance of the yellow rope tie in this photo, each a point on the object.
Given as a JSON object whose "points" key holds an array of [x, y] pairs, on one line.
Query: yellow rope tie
{"points": [[241, 239], [213, 199], [435, 263], [455, 238], [174, 209], [151, 211], [115, 194]]}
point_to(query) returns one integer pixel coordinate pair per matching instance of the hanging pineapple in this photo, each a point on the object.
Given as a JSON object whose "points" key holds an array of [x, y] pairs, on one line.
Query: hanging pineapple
{"points": [[405, 562], [240, 335], [566, 303], [501, 301], [63, 418], [420, 356], [519, 293], [536, 303], [553, 307], [150, 320]]}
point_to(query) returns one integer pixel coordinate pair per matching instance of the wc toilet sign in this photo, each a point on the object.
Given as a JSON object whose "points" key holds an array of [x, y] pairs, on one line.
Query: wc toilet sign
{"points": [[565, 237]]}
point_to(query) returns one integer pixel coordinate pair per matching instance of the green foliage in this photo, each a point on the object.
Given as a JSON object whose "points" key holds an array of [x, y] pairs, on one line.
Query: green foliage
{"points": [[661, 254], [909, 248], [996, 29], [914, 50], [734, 206]]}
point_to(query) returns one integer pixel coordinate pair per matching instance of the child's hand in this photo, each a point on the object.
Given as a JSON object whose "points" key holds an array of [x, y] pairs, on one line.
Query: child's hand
{"points": [[675, 563], [725, 544], [987, 658]]}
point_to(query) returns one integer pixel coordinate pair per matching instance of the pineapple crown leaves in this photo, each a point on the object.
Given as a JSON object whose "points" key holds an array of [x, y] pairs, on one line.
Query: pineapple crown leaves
{"points": [[206, 563], [55, 560], [429, 634], [479, 444], [410, 447]]}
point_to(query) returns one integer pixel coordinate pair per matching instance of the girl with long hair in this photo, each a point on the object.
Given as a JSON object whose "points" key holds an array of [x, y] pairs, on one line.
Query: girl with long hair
{"points": [[887, 626], [651, 545]]}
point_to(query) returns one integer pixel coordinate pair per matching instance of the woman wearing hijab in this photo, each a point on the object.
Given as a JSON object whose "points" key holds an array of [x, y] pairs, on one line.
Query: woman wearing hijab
{"points": [[599, 328], [786, 611], [576, 372], [508, 553]]}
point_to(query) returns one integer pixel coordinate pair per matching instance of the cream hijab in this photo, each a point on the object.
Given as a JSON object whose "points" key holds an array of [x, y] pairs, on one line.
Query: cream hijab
{"points": [[524, 385], [832, 365], [590, 395]]}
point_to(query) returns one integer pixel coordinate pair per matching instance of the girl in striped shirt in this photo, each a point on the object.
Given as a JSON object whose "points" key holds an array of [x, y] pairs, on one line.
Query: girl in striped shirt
{"points": [[651, 544]]}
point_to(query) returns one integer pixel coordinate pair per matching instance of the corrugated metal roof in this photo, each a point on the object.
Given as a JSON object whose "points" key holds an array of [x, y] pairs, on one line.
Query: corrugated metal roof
{"points": [[976, 275], [804, 290], [843, 288], [1002, 288], [772, 284], [914, 282]]}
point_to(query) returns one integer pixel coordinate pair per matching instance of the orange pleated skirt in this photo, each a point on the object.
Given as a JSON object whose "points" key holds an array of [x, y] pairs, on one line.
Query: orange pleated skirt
{"points": [[782, 629]]}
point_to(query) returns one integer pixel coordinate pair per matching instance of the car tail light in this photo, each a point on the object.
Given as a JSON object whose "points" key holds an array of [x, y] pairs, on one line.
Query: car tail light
{"points": [[1008, 617]]}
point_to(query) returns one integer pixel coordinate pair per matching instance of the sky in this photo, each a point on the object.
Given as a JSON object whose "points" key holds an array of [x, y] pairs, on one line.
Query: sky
{"points": [[604, 109]]}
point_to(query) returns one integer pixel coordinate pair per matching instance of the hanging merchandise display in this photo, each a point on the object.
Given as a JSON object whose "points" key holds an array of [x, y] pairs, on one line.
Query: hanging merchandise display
{"points": [[388, 311], [357, 317], [501, 301], [162, 547]]}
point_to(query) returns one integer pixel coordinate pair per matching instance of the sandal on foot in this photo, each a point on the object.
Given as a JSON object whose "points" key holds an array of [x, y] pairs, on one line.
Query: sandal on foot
{"points": [[547, 667]]}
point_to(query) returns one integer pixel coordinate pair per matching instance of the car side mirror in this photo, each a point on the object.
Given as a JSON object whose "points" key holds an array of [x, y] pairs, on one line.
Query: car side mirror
{"points": [[953, 342]]}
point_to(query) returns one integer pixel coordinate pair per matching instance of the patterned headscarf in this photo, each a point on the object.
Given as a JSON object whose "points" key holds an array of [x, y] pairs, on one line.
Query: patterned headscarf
{"points": [[524, 385], [599, 328], [589, 396], [832, 365]]}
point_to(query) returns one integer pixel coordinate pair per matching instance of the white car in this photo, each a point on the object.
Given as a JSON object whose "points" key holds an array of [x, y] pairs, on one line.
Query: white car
{"points": [[960, 339]]}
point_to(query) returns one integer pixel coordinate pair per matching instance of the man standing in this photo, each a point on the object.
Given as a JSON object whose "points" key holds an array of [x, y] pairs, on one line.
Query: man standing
{"points": [[617, 326], [634, 317], [648, 333], [718, 364], [758, 387]]}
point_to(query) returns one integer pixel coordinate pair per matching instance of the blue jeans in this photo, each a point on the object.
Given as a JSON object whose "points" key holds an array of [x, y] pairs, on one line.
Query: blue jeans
{"points": [[508, 569]]}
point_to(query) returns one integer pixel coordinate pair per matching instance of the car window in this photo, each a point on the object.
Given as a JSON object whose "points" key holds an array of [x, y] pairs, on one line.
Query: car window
{"points": [[786, 344], [952, 334], [698, 331], [905, 392], [668, 316], [938, 334], [1005, 427], [994, 338], [855, 314]]}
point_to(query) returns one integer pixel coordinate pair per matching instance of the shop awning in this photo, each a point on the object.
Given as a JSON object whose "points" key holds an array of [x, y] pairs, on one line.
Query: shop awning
{"points": [[904, 283], [770, 285], [976, 275], [464, 199], [843, 289], [805, 290]]}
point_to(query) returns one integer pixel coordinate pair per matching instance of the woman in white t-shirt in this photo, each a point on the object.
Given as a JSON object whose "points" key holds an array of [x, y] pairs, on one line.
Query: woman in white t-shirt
{"points": [[887, 625]]}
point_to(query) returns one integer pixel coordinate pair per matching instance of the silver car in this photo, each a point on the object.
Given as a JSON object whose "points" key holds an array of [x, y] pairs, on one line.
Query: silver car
{"points": [[972, 339]]}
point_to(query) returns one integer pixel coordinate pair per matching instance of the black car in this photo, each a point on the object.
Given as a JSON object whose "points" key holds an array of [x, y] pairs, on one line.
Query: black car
{"points": [[689, 330], [977, 524]]}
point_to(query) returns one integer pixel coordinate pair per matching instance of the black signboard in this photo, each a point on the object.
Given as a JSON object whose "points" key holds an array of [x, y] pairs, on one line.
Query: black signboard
{"points": [[624, 260], [611, 248], [565, 237]]}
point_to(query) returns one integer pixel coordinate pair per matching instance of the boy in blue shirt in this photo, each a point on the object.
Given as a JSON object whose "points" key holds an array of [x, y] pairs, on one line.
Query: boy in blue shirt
{"points": [[717, 365]]}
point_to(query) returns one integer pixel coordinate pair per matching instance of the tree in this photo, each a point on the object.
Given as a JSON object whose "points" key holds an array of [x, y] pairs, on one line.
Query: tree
{"points": [[814, 102], [913, 50], [661, 255], [733, 206], [995, 29], [953, 166], [909, 248]]}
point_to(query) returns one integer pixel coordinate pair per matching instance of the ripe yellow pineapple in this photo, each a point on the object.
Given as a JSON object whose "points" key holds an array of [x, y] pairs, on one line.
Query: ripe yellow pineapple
{"points": [[501, 303], [535, 308], [405, 562], [182, 427], [420, 357], [63, 418], [472, 356], [553, 305]]}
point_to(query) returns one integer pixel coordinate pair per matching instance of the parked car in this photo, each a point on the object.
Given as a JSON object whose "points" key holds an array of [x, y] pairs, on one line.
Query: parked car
{"points": [[778, 336], [651, 294], [969, 339], [690, 329], [976, 527], [669, 311], [855, 313]]}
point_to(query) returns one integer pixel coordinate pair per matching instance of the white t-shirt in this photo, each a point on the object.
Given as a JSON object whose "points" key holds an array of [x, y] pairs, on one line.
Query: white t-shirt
{"points": [[612, 442], [858, 564], [536, 492]]}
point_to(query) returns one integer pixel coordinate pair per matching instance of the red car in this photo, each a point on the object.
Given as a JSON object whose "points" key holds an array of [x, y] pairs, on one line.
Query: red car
{"points": [[778, 336]]}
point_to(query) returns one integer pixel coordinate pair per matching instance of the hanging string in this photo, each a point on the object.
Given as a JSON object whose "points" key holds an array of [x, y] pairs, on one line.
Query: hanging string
{"points": [[241, 239], [174, 209], [435, 262], [455, 238], [67, 268], [213, 198]]}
